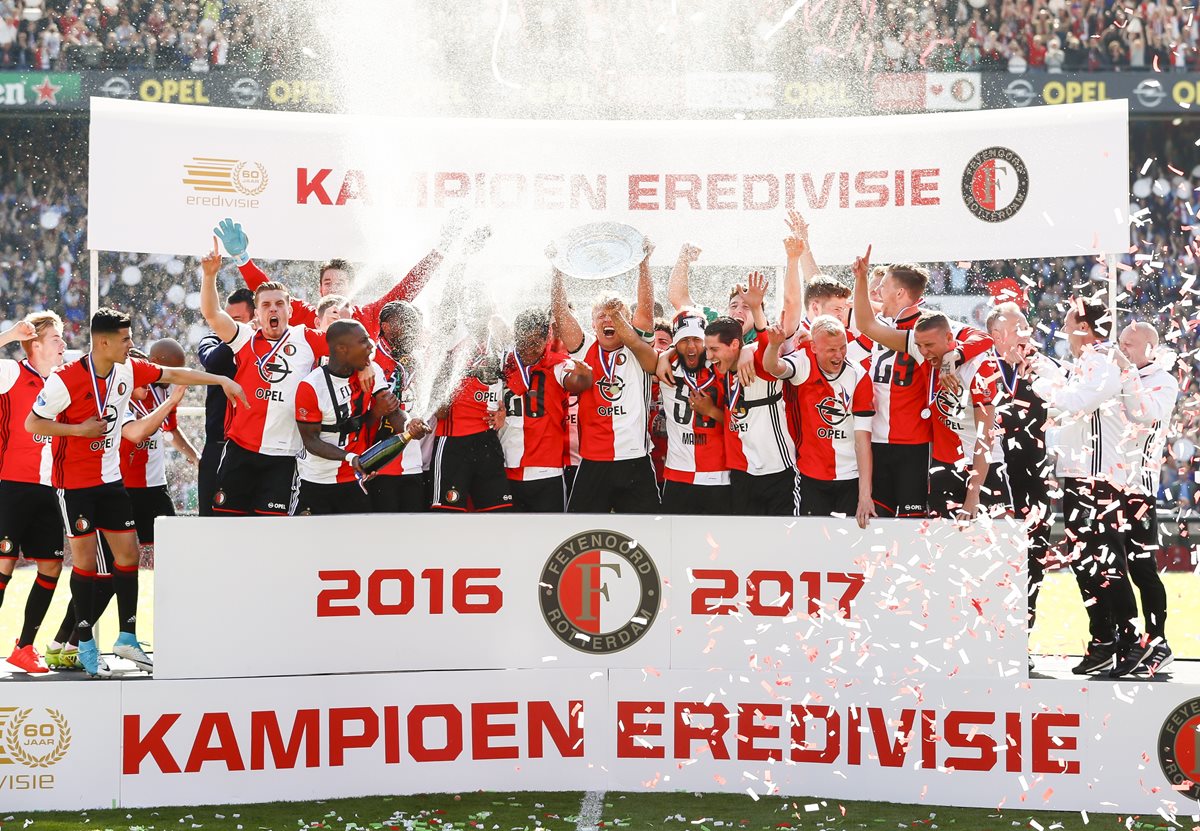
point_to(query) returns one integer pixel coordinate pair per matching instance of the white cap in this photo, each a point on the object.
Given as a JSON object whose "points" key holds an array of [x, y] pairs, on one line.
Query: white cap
{"points": [[688, 327]]}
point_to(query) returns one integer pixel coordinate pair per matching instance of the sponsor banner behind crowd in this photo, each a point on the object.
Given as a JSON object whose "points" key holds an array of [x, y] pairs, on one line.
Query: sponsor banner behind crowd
{"points": [[1094, 745], [310, 186], [1147, 92], [631, 591]]}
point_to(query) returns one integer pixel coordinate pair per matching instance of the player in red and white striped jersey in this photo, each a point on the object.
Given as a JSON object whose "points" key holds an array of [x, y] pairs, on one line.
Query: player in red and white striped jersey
{"points": [[537, 383], [696, 474], [615, 472], [30, 522], [80, 406], [836, 403], [968, 455], [334, 412], [144, 430], [257, 474], [902, 429], [401, 487]]}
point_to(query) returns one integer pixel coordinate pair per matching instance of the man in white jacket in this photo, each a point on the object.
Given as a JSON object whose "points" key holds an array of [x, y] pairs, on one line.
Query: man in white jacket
{"points": [[1148, 395], [1084, 403]]}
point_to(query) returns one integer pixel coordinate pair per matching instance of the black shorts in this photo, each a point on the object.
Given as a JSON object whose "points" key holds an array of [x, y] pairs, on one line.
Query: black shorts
{"points": [[30, 522], [819, 497], [699, 500], [149, 503], [622, 487], [318, 499], [772, 494], [539, 496], [900, 479], [948, 489], [255, 483], [470, 468], [104, 507], [206, 476], [407, 494]]}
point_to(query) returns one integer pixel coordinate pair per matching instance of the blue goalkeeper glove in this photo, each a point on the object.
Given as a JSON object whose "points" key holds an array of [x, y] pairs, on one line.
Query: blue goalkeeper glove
{"points": [[234, 239]]}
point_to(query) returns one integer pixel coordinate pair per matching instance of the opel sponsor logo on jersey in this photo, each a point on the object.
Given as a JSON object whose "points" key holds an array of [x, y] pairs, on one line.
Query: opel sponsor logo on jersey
{"points": [[949, 405], [611, 388], [275, 370], [833, 410], [1179, 748], [33, 737], [994, 184], [600, 592]]}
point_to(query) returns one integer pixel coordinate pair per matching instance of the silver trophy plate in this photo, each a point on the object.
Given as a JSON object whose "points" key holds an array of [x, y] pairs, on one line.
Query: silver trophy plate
{"points": [[599, 250]]}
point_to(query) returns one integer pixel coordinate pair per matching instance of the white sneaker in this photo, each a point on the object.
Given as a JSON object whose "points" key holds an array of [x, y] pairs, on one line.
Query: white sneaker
{"points": [[127, 647]]}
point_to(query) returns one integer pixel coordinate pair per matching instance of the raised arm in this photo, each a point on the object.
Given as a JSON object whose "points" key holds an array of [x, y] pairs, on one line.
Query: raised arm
{"points": [[754, 294], [864, 315], [569, 330], [647, 358], [808, 260], [770, 359], [236, 243], [793, 286], [21, 331], [182, 376], [643, 318], [679, 291], [210, 303], [140, 429]]}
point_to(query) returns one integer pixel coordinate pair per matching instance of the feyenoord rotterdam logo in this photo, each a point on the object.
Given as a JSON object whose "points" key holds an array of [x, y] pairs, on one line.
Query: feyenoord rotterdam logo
{"points": [[1179, 748], [600, 592], [33, 742], [995, 184]]}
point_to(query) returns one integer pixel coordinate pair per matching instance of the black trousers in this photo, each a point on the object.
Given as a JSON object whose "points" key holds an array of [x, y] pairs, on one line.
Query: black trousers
{"points": [[699, 500], [772, 494], [900, 479], [1093, 512], [539, 496], [1143, 545], [826, 498], [206, 480], [407, 494], [622, 487], [948, 489], [1031, 503]]}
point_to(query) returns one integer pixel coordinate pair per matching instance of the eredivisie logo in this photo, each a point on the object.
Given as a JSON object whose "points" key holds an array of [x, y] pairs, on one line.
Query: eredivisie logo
{"points": [[1179, 748], [600, 591], [995, 184], [31, 740], [207, 174]]}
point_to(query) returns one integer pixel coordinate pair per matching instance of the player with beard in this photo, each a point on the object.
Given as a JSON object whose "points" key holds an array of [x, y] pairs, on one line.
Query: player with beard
{"points": [[257, 473], [80, 407], [536, 385], [1084, 401], [30, 522], [902, 429], [835, 403], [402, 486], [334, 415], [1148, 395], [335, 276], [216, 357], [615, 472], [697, 475]]}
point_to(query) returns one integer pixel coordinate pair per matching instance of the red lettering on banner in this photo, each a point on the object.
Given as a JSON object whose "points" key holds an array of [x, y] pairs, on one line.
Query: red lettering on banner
{"points": [[483, 730], [597, 197], [801, 747], [629, 729], [864, 186], [548, 191], [752, 724], [675, 190], [637, 191], [920, 186], [772, 200], [226, 750], [567, 739], [891, 752], [340, 741], [354, 186], [854, 736], [265, 733], [418, 749], [391, 735], [899, 187], [717, 189], [981, 742], [1043, 744], [306, 187], [1012, 737], [686, 730], [843, 190], [929, 739], [813, 201], [136, 747], [443, 191]]}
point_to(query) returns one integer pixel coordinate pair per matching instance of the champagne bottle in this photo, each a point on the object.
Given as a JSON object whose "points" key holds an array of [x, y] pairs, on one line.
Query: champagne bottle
{"points": [[375, 457]]}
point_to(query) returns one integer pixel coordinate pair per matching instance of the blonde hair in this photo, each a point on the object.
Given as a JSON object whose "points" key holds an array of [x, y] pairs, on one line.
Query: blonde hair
{"points": [[41, 321], [827, 325]]}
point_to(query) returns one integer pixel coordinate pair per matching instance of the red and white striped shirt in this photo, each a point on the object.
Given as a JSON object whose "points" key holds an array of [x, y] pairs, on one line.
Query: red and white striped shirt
{"points": [[24, 457], [757, 438], [314, 405], [832, 410], [75, 394], [614, 412], [270, 372], [954, 428], [536, 414], [144, 465], [695, 444]]}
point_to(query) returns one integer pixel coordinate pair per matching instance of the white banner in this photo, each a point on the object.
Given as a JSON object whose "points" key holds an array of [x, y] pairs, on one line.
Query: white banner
{"points": [[973, 185], [59, 746], [383, 592]]}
